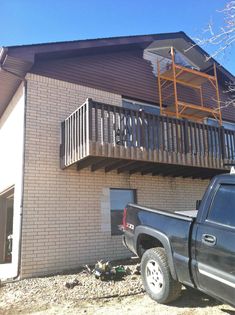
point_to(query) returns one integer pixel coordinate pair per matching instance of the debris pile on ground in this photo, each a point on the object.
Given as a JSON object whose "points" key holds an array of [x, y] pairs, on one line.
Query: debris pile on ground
{"points": [[70, 288], [105, 271]]}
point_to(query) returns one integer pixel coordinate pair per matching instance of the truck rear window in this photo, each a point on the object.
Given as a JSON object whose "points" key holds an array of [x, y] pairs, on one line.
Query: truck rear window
{"points": [[222, 209]]}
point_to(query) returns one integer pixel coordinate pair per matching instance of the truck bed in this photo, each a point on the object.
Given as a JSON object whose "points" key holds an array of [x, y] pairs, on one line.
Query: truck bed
{"points": [[184, 215], [173, 226]]}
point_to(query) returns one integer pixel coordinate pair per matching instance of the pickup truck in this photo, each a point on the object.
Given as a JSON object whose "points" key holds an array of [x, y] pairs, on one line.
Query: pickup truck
{"points": [[194, 248]]}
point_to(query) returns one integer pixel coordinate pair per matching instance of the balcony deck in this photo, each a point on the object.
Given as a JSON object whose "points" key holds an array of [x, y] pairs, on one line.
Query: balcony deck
{"points": [[102, 136]]}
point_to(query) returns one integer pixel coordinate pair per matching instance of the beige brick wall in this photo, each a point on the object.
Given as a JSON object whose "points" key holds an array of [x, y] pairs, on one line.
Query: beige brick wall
{"points": [[64, 223]]}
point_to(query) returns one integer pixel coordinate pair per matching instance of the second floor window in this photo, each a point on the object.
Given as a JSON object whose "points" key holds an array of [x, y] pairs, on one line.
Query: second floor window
{"points": [[135, 105]]}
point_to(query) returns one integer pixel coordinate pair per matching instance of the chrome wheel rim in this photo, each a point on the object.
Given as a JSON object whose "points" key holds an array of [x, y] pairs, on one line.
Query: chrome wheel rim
{"points": [[154, 276]]}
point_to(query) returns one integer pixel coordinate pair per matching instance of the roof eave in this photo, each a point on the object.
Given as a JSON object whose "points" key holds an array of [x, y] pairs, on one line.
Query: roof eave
{"points": [[19, 59]]}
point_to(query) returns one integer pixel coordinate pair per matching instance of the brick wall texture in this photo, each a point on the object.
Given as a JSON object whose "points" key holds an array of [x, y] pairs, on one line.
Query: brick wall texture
{"points": [[65, 212]]}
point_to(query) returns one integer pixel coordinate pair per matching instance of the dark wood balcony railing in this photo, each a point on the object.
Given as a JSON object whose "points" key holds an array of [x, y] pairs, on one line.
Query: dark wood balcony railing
{"points": [[103, 135]]}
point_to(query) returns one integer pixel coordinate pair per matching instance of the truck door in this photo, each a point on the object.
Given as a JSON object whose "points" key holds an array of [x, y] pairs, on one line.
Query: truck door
{"points": [[215, 245]]}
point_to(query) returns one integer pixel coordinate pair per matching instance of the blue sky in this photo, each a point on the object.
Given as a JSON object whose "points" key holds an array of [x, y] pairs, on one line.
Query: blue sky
{"points": [[37, 21]]}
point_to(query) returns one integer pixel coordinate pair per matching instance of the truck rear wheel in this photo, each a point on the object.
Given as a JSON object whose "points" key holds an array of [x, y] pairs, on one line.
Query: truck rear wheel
{"points": [[156, 276]]}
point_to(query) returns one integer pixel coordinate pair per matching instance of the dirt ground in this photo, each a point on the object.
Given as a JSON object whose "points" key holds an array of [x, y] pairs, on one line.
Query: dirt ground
{"points": [[190, 303], [141, 304], [50, 296]]}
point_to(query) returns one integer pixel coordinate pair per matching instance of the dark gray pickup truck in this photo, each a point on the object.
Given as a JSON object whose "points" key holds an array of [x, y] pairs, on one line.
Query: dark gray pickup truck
{"points": [[194, 248]]}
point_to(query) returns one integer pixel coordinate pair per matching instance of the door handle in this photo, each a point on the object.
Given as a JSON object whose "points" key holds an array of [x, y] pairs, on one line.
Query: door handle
{"points": [[208, 239]]}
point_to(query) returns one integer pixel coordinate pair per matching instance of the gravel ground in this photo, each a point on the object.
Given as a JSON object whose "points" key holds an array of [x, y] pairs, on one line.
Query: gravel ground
{"points": [[50, 296]]}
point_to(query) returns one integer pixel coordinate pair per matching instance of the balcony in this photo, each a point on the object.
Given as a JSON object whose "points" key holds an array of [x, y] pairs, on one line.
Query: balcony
{"points": [[102, 136]]}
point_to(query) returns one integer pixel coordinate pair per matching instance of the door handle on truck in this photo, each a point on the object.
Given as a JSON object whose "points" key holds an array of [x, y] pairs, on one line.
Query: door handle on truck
{"points": [[208, 239]]}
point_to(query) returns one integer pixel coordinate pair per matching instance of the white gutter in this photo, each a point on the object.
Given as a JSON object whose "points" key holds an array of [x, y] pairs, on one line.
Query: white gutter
{"points": [[3, 53]]}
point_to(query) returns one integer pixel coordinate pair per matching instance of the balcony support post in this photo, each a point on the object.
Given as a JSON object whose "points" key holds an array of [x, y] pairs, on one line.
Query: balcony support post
{"points": [[62, 146], [88, 124], [186, 139], [222, 141]]}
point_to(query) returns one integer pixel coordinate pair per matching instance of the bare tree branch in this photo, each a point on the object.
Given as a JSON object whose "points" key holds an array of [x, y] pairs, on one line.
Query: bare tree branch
{"points": [[224, 37], [221, 39]]}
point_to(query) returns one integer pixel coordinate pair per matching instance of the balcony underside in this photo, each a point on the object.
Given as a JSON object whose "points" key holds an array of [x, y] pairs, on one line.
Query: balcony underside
{"points": [[154, 162]]}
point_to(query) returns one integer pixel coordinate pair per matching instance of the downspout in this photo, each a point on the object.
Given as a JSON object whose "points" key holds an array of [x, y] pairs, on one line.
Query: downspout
{"points": [[22, 181]]}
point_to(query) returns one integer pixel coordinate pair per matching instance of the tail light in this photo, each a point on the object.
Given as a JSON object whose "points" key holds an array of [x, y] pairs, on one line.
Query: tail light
{"points": [[124, 219]]}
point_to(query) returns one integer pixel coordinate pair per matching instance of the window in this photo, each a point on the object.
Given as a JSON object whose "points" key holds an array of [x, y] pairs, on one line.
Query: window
{"points": [[214, 138], [6, 225], [119, 198], [135, 105], [226, 124], [142, 137], [223, 205]]}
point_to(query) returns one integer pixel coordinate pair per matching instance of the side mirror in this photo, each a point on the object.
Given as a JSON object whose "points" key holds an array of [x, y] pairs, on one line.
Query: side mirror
{"points": [[198, 202]]}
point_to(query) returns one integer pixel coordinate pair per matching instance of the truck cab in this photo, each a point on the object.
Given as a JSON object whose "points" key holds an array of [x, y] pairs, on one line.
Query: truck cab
{"points": [[213, 240]]}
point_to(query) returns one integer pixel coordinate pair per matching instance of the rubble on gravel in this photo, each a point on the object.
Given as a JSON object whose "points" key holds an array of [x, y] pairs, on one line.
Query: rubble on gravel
{"points": [[72, 284], [70, 288]]}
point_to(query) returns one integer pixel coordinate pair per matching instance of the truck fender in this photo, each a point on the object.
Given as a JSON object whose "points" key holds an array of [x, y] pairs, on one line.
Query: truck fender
{"points": [[163, 239]]}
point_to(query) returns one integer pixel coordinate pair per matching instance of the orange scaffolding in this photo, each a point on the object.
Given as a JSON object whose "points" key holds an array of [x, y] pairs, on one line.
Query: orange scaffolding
{"points": [[177, 74]]}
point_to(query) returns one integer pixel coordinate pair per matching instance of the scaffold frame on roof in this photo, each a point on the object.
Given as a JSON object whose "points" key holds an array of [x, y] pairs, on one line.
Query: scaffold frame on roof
{"points": [[178, 74]]}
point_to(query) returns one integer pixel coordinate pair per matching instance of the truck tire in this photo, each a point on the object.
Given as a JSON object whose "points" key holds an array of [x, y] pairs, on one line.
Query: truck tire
{"points": [[156, 276]]}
